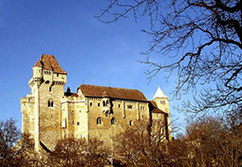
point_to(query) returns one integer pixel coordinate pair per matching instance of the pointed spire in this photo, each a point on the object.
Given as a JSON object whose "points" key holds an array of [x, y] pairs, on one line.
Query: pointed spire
{"points": [[159, 93]]}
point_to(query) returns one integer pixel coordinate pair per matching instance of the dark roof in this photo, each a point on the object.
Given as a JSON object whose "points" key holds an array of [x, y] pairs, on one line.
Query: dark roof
{"points": [[154, 108], [49, 62], [116, 93]]}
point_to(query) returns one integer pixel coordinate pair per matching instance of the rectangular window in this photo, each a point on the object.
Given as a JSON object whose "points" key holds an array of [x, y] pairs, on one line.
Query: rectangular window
{"points": [[118, 105], [142, 107], [98, 104], [129, 106], [78, 123], [90, 103]]}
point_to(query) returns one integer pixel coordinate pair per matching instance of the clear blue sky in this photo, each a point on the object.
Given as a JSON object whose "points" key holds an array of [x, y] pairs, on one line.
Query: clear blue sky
{"points": [[89, 51]]}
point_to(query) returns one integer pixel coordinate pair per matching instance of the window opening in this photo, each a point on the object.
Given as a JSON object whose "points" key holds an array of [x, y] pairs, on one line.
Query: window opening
{"points": [[113, 121], [129, 106], [50, 103], [104, 103], [99, 121]]}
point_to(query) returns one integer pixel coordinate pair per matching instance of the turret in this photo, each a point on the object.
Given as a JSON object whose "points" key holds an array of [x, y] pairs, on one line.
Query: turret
{"points": [[37, 70], [161, 100], [162, 103]]}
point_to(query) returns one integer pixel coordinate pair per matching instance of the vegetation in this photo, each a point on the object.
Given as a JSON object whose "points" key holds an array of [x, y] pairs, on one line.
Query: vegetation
{"points": [[210, 141], [207, 142], [199, 41], [78, 153]]}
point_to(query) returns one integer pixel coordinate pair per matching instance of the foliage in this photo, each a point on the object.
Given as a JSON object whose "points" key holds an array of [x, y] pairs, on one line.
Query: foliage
{"points": [[199, 40]]}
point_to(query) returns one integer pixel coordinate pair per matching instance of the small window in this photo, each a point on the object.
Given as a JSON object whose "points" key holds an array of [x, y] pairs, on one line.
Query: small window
{"points": [[78, 123], [80, 111], [162, 102], [113, 121], [98, 104], [51, 116], [57, 75], [50, 89], [99, 120], [130, 123], [118, 105], [50, 103], [130, 106], [142, 107], [90, 103], [104, 103]]}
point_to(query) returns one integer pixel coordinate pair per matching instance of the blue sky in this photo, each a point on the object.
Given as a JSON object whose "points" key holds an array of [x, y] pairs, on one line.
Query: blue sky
{"points": [[90, 52]]}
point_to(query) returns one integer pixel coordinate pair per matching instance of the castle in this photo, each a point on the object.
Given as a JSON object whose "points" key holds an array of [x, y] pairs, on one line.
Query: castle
{"points": [[50, 114]]}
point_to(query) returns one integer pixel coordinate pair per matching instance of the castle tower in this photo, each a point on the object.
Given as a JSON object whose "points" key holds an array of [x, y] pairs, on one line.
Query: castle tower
{"points": [[161, 100], [162, 103], [47, 89]]}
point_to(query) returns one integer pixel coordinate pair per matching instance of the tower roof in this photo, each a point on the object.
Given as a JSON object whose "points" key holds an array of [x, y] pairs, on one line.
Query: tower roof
{"points": [[49, 62], [159, 93], [117, 93]]}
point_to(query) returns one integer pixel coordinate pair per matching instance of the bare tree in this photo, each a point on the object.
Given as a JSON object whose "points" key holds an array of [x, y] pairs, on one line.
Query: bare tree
{"points": [[208, 142], [16, 149], [78, 152], [201, 39], [143, 144], [9, 135]]}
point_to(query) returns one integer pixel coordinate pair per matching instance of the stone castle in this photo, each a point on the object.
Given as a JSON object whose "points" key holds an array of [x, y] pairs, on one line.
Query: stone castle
{"points": [[50, 114]]}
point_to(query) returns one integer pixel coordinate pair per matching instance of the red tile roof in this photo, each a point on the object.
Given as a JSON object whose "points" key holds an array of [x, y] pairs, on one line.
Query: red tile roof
{"points": [[154, 108], [117, 93], [49, 62]]}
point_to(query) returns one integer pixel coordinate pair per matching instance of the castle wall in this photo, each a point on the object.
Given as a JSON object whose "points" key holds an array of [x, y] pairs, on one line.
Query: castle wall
{"points": [[50, 117], [27, 110], [124, 117]]}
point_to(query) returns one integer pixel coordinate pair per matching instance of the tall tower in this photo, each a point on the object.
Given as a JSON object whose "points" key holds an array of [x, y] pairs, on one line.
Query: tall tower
{"points": [[47, 89], [162, 103]]}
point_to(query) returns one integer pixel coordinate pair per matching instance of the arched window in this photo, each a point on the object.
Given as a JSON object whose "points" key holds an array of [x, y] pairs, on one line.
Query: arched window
{"points": [[113, 121], [99, 120], [50, 103]]}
